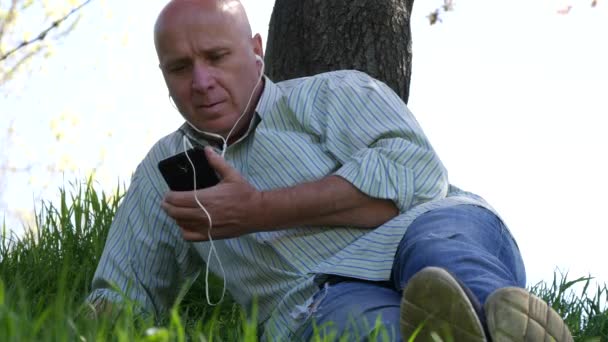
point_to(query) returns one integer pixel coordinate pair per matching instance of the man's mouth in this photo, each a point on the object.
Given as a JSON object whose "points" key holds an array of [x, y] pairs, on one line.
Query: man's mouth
{"points": [[208, 106]]}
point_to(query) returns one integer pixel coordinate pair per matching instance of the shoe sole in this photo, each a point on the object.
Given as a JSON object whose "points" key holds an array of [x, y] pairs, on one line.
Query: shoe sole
{"points": [[434, 302], [515, 315]]}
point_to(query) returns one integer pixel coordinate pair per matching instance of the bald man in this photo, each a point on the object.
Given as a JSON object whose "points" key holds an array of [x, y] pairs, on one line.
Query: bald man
{"points": [[332, 209]]}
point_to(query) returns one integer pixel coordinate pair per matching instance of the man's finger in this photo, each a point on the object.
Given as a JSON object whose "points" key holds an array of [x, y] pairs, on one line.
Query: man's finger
{"points": [[194, 236], [183, 198], [219, 164], [184, 213], [193, 225], [196, 233]]}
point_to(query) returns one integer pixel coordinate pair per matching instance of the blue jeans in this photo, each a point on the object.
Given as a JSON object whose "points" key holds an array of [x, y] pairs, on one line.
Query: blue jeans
{"points": [[469, 241]]}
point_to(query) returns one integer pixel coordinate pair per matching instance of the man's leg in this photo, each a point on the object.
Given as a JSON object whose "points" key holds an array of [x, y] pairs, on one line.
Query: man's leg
{"points": [[468, 241], [472, 257], [352, 307]]}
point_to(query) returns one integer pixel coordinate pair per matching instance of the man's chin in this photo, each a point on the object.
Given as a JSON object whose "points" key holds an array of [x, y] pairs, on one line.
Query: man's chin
{"points": [[210, 129]]}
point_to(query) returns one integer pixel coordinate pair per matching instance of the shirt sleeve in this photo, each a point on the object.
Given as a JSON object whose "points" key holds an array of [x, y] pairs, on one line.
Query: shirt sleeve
{"points": [[372, 133], [145, 259]]}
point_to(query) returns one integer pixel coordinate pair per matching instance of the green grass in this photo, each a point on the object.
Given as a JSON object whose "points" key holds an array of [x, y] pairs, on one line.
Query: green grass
{"points": [[45, 276]]}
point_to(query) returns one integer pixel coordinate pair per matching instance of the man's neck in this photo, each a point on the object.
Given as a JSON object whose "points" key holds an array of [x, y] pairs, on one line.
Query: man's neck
{"points": [[245, 122]]}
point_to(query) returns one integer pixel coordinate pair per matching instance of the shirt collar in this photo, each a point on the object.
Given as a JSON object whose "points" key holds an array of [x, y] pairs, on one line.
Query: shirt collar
{"points": [[269, 97]]}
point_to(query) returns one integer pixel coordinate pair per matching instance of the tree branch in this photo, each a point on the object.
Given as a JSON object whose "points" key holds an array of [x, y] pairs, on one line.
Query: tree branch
{"points": [[7, 75], [44, 33]]}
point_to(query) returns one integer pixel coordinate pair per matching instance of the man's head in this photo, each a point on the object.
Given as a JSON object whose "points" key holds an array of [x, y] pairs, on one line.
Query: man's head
{"points": [[208, 59]]}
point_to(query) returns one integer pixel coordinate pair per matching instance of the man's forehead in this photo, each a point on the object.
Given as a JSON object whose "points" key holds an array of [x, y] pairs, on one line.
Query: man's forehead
{"points": [[183, 52]]}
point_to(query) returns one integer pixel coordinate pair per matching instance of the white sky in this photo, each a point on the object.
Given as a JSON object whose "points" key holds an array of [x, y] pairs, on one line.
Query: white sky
{"points": [[510, 93]]}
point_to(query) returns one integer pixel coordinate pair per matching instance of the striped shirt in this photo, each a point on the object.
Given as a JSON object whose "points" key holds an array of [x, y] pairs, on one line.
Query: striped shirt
{"points": [[341, 123]]}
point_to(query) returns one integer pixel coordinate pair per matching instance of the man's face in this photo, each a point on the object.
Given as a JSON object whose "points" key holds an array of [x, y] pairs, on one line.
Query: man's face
{"points": [[208, 62]]}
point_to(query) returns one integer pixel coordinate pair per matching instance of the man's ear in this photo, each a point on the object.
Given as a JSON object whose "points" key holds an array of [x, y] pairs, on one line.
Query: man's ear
{"points": [[257, 45]]}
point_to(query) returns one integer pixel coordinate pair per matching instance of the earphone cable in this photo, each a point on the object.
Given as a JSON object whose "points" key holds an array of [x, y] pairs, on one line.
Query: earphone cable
{"points": [[212, 249]]}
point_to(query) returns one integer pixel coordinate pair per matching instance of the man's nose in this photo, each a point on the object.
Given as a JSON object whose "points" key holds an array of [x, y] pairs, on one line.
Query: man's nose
{"points": [[202, 78]]}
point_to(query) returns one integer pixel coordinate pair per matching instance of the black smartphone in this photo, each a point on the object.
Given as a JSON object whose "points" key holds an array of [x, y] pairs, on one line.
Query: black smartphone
{"points": [[179, 175]]}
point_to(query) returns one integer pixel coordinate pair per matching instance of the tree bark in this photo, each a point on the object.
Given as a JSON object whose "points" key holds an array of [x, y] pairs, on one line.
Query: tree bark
{"points": [[307, 37]]}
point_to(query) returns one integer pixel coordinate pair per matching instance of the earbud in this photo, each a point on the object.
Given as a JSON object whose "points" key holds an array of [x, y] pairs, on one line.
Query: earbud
{"points": [[173, 102], [261, 60]]}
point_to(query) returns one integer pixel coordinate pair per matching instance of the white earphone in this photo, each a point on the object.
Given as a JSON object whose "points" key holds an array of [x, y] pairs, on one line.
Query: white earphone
{"points": [[185, 141], [261, 60]]}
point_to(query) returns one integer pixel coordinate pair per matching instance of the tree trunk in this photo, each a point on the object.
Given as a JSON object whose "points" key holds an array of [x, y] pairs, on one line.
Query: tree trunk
{"points": [[307, 37]]}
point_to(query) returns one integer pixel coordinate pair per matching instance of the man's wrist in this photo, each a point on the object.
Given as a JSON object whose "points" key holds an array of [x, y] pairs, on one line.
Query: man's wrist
{"points": [[262, 214]]}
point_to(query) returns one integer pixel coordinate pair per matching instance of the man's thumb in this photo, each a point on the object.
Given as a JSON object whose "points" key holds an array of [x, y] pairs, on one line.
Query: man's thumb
{"points": [[218, 163]]}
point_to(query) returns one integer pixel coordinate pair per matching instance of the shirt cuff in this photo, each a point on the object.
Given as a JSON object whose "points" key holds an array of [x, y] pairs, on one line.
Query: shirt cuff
{"points": [[378, 177]]}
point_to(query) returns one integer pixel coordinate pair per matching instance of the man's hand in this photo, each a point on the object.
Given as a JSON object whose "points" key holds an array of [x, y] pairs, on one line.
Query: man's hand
{"points": [[233, 204]]}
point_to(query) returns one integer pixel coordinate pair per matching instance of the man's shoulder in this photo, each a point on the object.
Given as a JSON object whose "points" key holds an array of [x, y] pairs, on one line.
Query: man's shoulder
{"points": [[165, 147], [335, 78], [147, 170]]}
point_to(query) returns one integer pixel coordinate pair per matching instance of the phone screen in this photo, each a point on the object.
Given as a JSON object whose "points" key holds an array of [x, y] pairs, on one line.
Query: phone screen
{"points": [[179, 175]]}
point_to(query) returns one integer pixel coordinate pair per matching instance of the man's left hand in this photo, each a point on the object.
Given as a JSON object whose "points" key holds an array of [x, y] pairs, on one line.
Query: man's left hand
{"points": [[233, 204]]}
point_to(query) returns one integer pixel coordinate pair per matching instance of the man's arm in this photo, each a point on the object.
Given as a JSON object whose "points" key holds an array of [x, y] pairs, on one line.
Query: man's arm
{"points": [[237, 208], [331, 201], [144, 258]]}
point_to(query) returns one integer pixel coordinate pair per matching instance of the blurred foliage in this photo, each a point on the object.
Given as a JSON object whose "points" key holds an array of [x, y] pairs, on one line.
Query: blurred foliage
{"points": [[27, 29], [435, 16]]}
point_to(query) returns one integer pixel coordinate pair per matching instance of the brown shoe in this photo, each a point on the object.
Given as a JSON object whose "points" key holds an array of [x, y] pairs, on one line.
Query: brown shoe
{"points": [[513, 315], [435, 303]]}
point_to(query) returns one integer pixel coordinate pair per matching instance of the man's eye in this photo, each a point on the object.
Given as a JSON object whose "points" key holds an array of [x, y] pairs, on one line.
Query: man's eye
{"points": [[177, 68], [216, 57]]}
